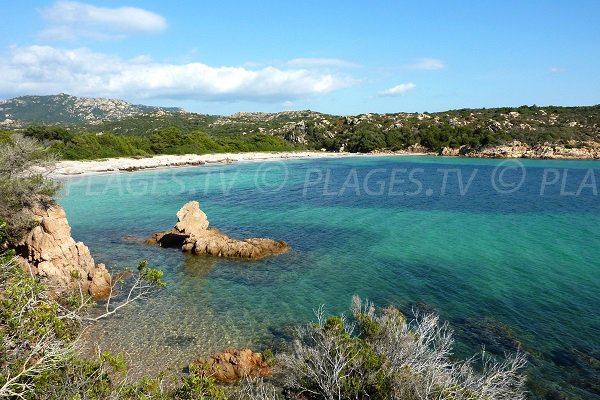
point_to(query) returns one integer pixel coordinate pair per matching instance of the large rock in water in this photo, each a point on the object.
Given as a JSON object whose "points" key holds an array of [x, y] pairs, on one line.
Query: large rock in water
{"points": [[50, 252], [192, 234], [234, 364], [191, 220]]}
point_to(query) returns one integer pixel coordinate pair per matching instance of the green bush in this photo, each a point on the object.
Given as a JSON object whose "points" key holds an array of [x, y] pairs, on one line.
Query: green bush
{"points": [[48, 133], [38, 357], [199, 386], [5, 136], [18, 191], [171, 140], [90, 146], [390, 358]]}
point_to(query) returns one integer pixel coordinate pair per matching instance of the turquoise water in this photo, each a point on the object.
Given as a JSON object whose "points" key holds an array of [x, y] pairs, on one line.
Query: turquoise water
{"points": [[507, 252]]}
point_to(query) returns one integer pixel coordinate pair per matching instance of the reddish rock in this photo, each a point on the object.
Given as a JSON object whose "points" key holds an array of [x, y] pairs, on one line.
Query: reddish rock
{"points": [[234, 364], [192, 234], [50, 252]]}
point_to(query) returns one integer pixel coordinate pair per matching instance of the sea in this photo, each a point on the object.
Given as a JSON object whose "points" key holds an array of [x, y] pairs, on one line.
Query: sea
{"points": [[506, 251]]}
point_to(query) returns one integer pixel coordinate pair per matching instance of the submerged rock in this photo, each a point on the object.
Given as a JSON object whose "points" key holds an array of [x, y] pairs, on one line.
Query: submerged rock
{"points": [[192, 234], [234, 364], [49, 251]]}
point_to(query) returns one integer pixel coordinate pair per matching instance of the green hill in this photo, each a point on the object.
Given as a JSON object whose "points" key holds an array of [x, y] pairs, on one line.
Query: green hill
{"points": [[71, 124], [70, 110]]}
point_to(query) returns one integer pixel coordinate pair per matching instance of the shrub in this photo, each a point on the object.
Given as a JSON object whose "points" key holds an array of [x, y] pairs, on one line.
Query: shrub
{"points": [[199, 386], [34, 341], [38, 344], [90, 146], [23, 183], [48, 133], [390, 358]]}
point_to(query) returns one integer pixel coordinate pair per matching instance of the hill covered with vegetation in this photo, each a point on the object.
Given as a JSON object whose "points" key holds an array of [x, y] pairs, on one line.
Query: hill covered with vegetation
{"points": [[111, 128], [69, 110]]}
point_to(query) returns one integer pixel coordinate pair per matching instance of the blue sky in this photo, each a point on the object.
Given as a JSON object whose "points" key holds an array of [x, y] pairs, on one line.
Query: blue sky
{"points": [[340, 57]]}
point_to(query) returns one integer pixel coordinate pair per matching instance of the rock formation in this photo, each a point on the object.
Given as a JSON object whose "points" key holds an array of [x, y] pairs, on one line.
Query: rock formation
{"points": [[192, 234], [50, 252], [517, 149], [234, 364]]}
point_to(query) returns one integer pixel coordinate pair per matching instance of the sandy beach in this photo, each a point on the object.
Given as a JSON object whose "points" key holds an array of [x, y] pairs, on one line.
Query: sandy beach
{"points": [[131, 164], [112, 165]]}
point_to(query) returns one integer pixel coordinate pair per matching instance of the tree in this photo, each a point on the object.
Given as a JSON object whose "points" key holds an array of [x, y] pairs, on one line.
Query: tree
{"points": [[48, 133], [166, 138], [24, 183]]}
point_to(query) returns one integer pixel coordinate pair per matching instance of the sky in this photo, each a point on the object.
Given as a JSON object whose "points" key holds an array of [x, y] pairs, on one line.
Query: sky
{"points": [[337, 57]]}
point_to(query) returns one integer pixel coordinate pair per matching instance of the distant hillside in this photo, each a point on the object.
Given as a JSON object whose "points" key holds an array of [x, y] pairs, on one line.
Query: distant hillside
{"points": [[369, 132], [157, 129], [69, 110]]}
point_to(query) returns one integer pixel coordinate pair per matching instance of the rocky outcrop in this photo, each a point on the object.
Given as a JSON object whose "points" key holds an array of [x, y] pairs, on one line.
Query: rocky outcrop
{"points": [[517, 149], [234, 364], [49, 251], [449, 151], [192, 234]]}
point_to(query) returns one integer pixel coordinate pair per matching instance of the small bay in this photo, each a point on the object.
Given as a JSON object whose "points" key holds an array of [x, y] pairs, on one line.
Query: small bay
{"points": [[507, 251]]}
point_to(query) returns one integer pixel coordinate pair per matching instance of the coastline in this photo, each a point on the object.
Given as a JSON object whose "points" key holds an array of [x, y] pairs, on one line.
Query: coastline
{"points": [[514, 150], [130, 164]]}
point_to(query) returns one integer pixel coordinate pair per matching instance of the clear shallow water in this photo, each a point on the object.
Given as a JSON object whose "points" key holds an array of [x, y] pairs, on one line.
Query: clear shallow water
{"points": [[507, 252]]}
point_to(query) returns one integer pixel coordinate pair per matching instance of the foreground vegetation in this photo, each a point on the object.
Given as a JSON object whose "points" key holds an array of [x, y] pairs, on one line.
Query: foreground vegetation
{"points": [[39, 338], [21, 185], [388, 358]]}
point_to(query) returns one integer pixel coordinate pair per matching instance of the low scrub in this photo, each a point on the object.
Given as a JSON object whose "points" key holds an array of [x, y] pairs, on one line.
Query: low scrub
{"points": [[380, 355]]}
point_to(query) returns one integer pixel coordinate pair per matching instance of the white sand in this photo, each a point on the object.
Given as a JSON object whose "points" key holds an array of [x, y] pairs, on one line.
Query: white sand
{"points": [[112, 165]]}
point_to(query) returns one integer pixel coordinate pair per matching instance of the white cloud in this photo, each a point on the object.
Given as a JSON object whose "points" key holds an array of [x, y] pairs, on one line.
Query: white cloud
{"points": [[428, 64], [398, 90], [322, 62], [48, 70], [71, 19], [556, 70]]}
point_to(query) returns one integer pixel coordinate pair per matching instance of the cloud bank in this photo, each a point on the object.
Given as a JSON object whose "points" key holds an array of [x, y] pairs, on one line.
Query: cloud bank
{"points": [[398, 90], [49, 70], [71, 19]]}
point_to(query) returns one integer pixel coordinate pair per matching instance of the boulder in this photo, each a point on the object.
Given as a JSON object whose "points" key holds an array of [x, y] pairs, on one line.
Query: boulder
{"points": [[449, 151], [234, 364], [49, 251], [192, 234], [191, 220]]}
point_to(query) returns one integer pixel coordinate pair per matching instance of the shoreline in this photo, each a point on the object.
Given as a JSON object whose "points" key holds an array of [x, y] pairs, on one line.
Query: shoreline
{"points": [[131, 164], [515, 150]]}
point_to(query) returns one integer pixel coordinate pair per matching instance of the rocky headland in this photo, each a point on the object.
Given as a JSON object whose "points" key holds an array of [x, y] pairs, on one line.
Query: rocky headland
{"points": [[192, 234], [517, 149], [49, 251]]}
